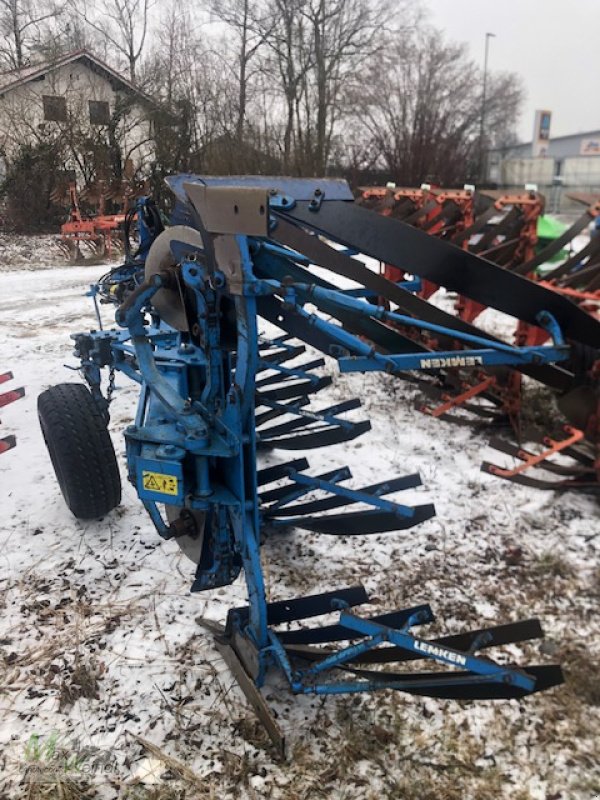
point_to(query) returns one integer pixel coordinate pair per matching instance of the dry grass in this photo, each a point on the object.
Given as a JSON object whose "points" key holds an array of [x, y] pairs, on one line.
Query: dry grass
{"points": [[52, 772]]}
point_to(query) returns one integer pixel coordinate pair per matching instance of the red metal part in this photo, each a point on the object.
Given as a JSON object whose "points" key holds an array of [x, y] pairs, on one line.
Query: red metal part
{"points": [[467, 309], [10, 397], [451, 402], [8, 442], [99, 230], [531, 205], [553, 446], [580, 297]]}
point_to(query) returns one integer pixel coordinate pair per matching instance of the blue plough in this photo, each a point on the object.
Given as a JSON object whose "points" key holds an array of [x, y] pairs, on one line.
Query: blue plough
{"points": [[214, 394]]}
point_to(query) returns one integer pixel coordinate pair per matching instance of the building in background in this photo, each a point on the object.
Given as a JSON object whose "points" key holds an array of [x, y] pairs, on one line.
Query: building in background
{"points": [[80, 99], [558, 165]]}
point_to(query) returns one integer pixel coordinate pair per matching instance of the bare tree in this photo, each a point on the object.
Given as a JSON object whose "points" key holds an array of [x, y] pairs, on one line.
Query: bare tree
{"points": [[123, 24], [344, 34], [23, 24], [289, 59], [252, 24], [421, 108], [316, 46]]}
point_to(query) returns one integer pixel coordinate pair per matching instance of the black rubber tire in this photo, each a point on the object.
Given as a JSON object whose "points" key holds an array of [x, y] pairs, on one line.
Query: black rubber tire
{"points": [[81, 450]]}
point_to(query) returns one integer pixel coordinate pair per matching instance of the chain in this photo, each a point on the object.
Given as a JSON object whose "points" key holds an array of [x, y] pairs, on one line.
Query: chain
{"points": [[111, 385]]}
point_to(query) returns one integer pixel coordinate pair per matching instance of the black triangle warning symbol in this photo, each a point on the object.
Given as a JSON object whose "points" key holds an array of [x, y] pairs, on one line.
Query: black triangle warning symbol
{"points": [[151, 483]]}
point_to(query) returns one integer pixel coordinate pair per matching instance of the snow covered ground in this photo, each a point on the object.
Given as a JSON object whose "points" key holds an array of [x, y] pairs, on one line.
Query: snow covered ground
{"points": [[105, 674]]}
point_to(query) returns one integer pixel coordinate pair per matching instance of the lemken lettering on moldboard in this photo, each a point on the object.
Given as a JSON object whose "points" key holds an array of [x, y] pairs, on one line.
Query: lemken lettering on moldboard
{"points": [[439, 652], [451, 361]]}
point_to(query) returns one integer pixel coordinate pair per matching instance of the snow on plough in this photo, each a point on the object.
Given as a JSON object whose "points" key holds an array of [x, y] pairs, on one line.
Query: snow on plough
{"points": [[216, 393], [511, 231]]}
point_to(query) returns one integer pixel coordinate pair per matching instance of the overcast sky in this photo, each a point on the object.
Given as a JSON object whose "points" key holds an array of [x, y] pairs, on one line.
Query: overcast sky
{"points": [[553, 44]]}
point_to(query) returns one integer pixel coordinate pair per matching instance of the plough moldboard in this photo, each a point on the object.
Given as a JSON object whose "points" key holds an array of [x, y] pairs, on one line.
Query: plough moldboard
{"points": [[503, 228], [215, 395]]}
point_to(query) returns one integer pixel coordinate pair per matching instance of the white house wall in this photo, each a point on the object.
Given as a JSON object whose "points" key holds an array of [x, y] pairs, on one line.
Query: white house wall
{"points": [[22, 112]]}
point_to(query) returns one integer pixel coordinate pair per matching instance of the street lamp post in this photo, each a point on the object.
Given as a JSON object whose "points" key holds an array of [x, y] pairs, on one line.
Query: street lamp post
{"points": [[482, 159]]}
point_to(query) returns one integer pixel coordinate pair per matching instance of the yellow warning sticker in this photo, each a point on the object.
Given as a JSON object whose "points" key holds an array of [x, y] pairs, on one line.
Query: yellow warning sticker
{"points": [[159, 482]]}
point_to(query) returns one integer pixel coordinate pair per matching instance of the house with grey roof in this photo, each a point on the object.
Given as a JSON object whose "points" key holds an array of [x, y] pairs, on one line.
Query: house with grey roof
{"points": [[76, 95]]}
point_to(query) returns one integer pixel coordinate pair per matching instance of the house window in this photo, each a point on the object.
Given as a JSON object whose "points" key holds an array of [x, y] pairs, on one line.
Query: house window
{"points": [[55, 108], [99, 112]]}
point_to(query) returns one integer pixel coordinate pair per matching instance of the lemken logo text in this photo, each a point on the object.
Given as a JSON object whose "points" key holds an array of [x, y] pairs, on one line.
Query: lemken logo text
{"points": [[451, 361]]}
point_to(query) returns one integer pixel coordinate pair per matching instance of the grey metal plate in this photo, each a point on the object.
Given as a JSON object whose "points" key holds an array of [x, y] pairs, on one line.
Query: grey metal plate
{"points": [[298, 188]]}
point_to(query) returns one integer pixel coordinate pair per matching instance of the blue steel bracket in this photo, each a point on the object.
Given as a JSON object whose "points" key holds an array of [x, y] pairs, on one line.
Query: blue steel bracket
{"points": [[94, 351], [446, 359], [493, 353], [374, 634], [383, 639], [281, 202], [414, 285]]}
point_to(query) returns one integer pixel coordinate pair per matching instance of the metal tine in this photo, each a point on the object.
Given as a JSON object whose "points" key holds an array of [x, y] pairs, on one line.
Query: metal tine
{"points": [[377, 489], [308, 417], [359, 523], [484, 638], [563, 269], [460, 685], [555, 246], [519, 452], [281, 356], [496, 230], [381, 237], [533, 435], [479, 223], [279, 410], [325, 436], [582, 277], [280, 341], [290, 372], [291, 491], [420, 212], [335, 261], [297, 389], [278, 471], [594, 285], [306, 429], [338, 633], [380, 519], [591, 485], [282, 611]]}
